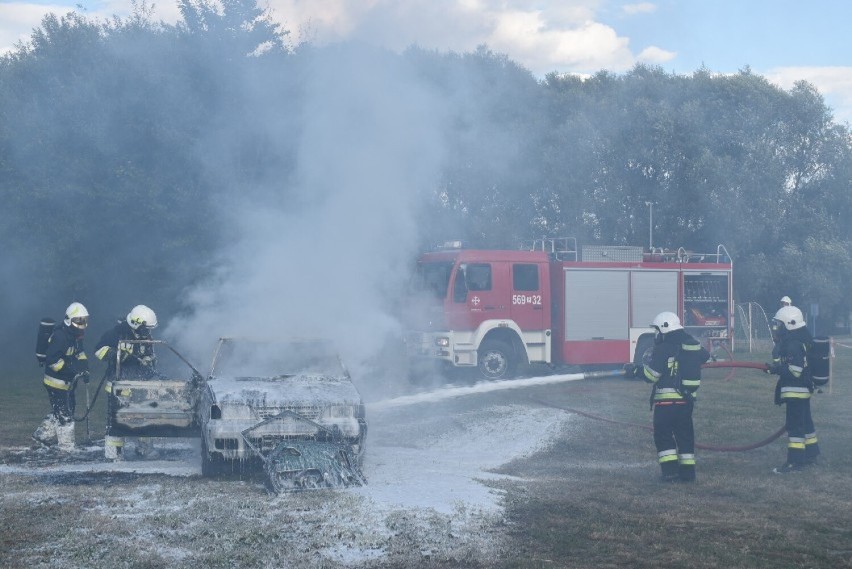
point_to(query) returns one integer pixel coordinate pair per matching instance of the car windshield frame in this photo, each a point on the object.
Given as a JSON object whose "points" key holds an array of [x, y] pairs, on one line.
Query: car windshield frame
{"points": [[274, 360]]}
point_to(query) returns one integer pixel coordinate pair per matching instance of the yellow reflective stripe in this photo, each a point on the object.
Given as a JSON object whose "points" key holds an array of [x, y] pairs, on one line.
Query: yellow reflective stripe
{"points": [[686, 459], [82, 356], [668, 397], [666, 394], [69, 351], [58, 365], [795, 393], [114, 442], [652, 376], [810, 439], [108, 387], [667, 455], [56, 383], [101, 354], [691, 382], [796, 445], [690, 347]]}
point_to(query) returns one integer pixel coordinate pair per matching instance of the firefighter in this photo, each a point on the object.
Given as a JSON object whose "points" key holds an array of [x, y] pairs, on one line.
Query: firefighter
{"points": [[785, 301], [794, 387], [64, 365], [673, 366], [133, 360]]}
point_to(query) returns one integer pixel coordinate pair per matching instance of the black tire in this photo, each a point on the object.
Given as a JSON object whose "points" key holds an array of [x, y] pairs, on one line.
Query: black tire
{"points": [[496, 360]]}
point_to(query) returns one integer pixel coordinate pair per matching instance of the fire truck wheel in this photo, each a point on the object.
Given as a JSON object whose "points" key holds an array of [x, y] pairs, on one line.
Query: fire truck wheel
{"points": [[496, 360]]}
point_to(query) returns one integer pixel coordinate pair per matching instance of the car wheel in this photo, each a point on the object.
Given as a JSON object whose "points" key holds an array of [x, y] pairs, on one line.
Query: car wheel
{"points": [[496, 360]]}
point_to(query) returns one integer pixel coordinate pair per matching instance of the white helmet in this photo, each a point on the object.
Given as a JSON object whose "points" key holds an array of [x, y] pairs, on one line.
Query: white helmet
{"points": [[785, 301], [666, 322], [141, 315], [77, 316], [791, 317]]}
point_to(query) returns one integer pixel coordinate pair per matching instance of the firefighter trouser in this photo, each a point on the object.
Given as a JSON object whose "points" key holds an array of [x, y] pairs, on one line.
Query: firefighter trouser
{"points": [[674, 438], [802, 445], [62, 404]]}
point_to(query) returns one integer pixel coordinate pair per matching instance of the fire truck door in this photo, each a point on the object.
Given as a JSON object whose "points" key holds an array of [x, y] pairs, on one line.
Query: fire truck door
{"points": [[527, 308], [486, 291]]}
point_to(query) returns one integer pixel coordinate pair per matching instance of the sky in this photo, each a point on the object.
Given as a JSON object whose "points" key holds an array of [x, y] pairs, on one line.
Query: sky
{"points": [[783, 40]]}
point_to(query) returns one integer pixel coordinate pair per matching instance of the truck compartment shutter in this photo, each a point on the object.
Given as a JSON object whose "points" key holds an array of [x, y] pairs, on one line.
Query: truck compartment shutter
{"points": [[596, 304], [653, 292]]}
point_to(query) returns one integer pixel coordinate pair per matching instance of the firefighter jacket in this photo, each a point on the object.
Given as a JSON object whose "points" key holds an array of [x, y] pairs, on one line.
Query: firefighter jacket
{"points": [[134, 357], [790, 361], [675, 367], [65, 358]]}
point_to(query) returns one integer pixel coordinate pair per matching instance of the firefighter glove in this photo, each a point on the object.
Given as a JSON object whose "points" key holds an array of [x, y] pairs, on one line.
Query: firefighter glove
{"points": [[147, 361], [84, 375], [773, 368], [631, 371]]}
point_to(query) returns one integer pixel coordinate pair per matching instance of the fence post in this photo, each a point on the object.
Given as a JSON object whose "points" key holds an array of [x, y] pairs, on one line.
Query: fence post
{"points": [[830, 363]]}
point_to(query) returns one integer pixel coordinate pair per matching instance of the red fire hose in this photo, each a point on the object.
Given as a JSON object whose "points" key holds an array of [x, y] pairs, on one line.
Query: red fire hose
{"points": [[716, 448]]}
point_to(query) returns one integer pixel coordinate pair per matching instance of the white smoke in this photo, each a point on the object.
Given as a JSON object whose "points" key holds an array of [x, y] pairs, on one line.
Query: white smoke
{"points": [[325, 254]]}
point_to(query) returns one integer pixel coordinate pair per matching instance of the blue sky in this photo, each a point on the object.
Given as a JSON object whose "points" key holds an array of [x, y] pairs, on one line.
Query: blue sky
{"points": [[785, 40]]}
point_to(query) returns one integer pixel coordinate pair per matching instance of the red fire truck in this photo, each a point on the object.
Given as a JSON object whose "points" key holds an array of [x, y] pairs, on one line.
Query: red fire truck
{"points": [[555, 304]]}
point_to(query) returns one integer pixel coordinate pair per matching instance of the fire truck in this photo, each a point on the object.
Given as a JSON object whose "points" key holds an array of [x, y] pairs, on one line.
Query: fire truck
{"points": [[556, 304]]}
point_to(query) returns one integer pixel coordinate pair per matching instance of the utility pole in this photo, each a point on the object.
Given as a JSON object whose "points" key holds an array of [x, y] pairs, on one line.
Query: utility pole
{"points": [[650, 224]]}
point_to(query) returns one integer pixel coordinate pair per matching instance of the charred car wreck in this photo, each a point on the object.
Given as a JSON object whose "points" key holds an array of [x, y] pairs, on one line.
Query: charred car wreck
{"points": [[289, 409]]}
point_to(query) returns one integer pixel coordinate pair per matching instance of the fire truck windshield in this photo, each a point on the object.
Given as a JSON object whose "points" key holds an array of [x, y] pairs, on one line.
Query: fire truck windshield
{"points": [[434, 278]]}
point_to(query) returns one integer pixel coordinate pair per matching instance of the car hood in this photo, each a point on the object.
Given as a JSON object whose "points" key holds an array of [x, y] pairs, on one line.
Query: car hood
{"points": [[302, 390]]}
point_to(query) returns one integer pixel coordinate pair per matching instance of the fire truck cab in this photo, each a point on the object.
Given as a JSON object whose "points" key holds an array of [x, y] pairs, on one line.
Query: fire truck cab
{"points": [[554, 304]]}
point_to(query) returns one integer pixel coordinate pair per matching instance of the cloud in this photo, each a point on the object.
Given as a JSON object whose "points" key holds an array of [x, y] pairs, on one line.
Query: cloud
{"points": [[654, 54], [542, 36], [640, 8], [834, 83], [19, 19]]}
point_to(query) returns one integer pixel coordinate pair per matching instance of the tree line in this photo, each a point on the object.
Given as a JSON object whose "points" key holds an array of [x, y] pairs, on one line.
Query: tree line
{"points": [[120, 139]]}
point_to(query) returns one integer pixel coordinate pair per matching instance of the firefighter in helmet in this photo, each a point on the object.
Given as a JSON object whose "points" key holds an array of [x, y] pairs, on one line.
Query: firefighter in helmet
{"points": [[794, 386], [785, 301], [65, 364], [673, 366], [129, 359]]}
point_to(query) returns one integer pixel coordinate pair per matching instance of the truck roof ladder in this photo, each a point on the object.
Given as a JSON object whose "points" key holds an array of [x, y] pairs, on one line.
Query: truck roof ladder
{"points": [[559, 248]]}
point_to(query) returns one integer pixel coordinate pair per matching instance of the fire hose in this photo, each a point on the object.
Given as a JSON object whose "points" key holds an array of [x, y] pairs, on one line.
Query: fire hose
{"points": [[715, 448]]}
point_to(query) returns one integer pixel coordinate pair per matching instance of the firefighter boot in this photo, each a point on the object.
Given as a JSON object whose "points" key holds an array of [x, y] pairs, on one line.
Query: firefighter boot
{"points": [[45, 434], [65, 437], [686, 467], [113, 448], [811, 449], [668, 471]]}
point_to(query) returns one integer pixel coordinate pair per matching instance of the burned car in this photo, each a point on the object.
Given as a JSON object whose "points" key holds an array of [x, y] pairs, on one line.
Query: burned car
{"points": [[160, 401], [290, 406]]}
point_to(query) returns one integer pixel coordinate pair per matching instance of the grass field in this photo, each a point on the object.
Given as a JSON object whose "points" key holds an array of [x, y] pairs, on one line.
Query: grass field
{"points": [[586, 506], [591, 500]]}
